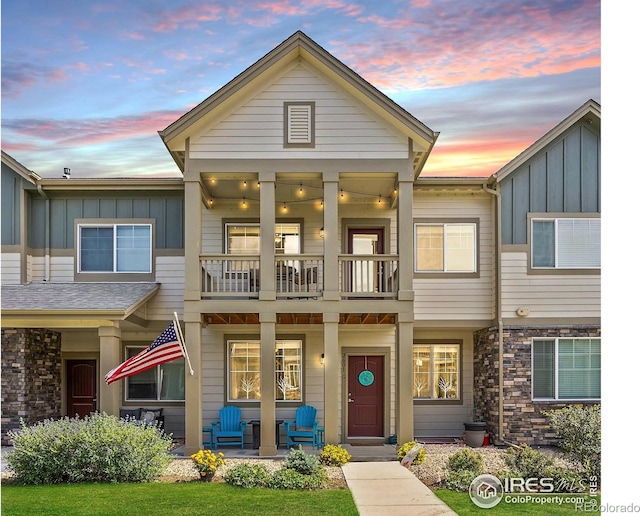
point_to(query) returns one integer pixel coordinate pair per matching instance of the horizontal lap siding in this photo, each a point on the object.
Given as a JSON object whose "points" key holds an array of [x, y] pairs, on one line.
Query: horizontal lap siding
{"points": [[458, 298], [10, 268], [442, 420], [256, 129], [549, 295], [170, 297]]}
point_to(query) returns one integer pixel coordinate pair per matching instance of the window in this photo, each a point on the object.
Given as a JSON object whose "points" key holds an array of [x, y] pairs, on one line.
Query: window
{"points": [[565, 243], [436, 371], [299, 126], [114, 248], [448, 247], [161, 383], [245, 238], [244, 370], [565, 369]]}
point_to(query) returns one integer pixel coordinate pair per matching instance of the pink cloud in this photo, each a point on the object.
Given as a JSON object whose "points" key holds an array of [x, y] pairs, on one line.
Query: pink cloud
{"points": [[74, 132], [187, 15]]}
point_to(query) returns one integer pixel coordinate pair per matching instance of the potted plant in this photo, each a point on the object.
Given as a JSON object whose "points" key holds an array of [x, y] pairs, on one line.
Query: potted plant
{"points": [[207, 463], [474, 431]]}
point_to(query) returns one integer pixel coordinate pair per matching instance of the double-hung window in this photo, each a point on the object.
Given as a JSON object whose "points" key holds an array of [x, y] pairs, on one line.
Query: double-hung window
{"points": [[445, 247], [245, 238], [114, 248], [164, 382], [566, 243], [565, 369], [244, 370], [436, 371]]}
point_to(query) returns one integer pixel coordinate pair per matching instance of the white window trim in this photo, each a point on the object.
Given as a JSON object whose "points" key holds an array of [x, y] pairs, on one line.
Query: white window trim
{"points": [[138, 349], [556, 358], [431, 371], [115, 248], [444, 226], [555, 221], [229, 341]]}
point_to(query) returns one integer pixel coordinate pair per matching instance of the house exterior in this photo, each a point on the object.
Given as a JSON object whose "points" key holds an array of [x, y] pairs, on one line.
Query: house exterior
{"points": [[310, 264]]}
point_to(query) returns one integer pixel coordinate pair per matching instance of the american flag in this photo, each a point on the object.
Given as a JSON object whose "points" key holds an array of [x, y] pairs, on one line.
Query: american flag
{"points": [[165, 348]]}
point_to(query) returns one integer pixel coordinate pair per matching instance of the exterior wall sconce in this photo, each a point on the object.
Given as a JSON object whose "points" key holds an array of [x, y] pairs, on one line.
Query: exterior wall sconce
{"points": [[322, 232], [322, 359]]}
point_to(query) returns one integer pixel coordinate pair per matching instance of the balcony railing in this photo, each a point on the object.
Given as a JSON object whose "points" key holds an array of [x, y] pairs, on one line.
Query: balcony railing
{"points": [[368, 276], [299, 276]]}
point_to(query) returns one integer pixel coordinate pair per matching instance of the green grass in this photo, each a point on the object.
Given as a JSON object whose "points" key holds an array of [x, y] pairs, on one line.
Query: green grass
{"points": [[187, 498], [461, 503]]}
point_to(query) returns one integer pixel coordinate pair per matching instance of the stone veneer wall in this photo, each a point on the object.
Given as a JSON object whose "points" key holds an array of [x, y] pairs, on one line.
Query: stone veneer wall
{"points": [[523, 419], [31, 377]]}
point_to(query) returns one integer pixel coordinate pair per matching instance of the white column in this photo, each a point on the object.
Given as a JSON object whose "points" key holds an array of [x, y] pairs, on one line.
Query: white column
{"points": [[193, 385], [332, 366], [267, 235], [331, 288]]}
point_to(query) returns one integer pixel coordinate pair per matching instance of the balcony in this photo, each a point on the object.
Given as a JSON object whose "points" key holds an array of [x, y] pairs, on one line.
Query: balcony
{"points": [[299, 276]]}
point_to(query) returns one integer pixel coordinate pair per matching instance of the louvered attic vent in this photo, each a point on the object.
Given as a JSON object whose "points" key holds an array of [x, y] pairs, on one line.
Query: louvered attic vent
{"points": [[299, 124]]}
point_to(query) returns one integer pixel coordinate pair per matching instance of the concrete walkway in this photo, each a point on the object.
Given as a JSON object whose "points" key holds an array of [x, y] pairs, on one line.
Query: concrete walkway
{"points": [[382, 488]]}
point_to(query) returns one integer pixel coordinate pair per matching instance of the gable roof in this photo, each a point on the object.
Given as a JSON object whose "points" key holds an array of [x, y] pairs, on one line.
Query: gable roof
{"points": [[589, 112], [19, 168], [299, 45]]}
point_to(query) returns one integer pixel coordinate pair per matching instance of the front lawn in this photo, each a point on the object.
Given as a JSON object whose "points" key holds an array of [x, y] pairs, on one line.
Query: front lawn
{"points": [[461, 503], [186, 498]]}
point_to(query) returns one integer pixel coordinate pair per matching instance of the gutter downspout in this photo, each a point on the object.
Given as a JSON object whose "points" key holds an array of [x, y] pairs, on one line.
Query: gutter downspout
{"points": [[496, 193], [47, 234]]}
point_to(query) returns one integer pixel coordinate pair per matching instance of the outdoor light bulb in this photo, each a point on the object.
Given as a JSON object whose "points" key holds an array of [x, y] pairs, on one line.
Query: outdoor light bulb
{"points": [[244, 183], [341, 193], [379, 199], [244, 202], [300, 187], [284, 207]]}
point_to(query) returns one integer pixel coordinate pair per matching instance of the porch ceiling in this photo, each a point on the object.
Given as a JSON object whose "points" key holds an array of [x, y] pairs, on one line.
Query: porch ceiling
{"points": [[299, 318]]}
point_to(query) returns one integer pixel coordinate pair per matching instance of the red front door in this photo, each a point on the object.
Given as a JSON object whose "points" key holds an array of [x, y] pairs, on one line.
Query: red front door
{"points": [[81, 387], [365, 411]]}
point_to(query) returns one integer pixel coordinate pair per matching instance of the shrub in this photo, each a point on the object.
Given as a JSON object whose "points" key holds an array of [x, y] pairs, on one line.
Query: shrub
{"points": [[301, 462], [567, 480], [97, 448], [526, 462], [288, 478], [248, 475], [466, 460], [407, 447], [579, 434], [334, 455], [460, 480]]}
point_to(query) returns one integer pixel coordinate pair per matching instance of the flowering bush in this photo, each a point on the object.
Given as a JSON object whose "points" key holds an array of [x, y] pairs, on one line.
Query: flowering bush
{"points": [[334, 455], [208, 462]]}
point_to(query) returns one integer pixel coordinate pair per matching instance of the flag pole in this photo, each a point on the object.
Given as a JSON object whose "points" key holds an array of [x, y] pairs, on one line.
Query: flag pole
{"points": [[181, 338]]}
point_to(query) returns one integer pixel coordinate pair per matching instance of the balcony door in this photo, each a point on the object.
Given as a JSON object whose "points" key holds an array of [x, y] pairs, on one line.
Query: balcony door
{"points": [[365, 275]]}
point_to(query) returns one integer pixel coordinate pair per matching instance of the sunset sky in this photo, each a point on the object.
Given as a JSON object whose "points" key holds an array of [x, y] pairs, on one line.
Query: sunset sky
{"points": [[87, 84]]}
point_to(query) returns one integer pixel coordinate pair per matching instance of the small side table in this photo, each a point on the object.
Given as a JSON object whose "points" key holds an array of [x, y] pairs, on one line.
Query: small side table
{"points": [[320, 437], [255, 424]]}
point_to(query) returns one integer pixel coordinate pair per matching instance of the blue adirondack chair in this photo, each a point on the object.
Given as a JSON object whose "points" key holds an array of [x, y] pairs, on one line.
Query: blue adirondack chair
{"points": [[304, 428], [229, 431]]}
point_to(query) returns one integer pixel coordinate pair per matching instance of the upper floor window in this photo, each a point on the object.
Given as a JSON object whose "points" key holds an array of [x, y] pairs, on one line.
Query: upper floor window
{"points": [[114, 248], [445, 247], [244, 370], [245, 238], [565, 243], [161, 383], [299, 124], [436, 371], [566, 368]]}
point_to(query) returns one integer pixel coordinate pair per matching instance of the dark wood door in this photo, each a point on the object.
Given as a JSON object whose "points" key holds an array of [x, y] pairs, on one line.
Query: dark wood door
{"points": [[81, 387], [365, 410]]}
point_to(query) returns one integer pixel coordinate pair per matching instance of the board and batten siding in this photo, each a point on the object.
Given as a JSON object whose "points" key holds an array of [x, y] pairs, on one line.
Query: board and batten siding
{"points": [[458, 299], [344, 128], [547, 295], [166, 209], [564, 177]]}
